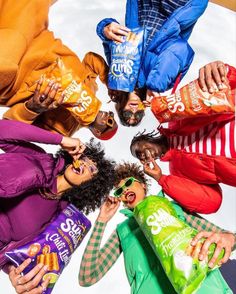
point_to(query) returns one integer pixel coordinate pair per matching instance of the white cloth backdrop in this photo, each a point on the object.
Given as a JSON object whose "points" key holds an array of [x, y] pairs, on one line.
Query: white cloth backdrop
{"points": [[213, 38]]}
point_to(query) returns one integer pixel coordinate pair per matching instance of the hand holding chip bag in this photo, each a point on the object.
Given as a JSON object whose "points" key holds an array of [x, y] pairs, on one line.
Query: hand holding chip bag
{"points": [[171, 239], [54, 246], [191, 101], [125, 61], [77, 97]]}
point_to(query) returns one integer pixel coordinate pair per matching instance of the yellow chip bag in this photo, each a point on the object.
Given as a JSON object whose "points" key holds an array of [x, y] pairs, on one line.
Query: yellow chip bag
{"points": [[77, 97]]}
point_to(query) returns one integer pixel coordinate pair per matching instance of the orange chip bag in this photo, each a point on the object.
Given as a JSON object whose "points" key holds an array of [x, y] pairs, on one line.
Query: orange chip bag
{"points": [[78, 98], [191, 101]]}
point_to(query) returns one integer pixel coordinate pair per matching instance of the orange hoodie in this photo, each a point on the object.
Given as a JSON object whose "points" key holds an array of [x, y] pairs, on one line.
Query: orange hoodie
{"points": [[37, 50]]}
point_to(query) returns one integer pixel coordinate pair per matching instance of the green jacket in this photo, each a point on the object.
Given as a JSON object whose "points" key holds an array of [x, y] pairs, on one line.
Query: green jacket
{"points": [[143, 269]]}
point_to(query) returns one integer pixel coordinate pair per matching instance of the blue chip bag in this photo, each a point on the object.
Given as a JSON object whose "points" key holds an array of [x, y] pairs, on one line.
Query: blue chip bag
{"points": [[55, 245], [126, 60]]}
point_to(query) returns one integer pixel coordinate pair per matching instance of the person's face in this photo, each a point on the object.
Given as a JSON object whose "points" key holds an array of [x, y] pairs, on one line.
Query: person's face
{"points": [[82, 172], [145, 150], [104, 122], [134, 109], [132, 194]]}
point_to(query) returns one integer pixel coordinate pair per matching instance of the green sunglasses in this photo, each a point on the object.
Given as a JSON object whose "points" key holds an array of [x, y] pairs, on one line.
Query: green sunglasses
{"points": [[129, 182]]}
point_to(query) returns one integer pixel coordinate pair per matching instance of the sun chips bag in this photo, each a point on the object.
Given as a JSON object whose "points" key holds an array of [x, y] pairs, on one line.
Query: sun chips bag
{"points": [[170, 239], [191, 101], [78, 98], [125, 61], [55, 245]]}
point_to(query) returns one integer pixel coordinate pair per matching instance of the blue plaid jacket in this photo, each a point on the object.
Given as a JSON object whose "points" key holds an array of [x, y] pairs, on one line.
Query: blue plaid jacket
{"points": [[167, 53]]}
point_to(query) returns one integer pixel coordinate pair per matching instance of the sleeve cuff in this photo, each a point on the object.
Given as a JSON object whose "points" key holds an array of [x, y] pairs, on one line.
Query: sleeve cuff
{"points": [[101, 25], [162, 180], [21, 113]]}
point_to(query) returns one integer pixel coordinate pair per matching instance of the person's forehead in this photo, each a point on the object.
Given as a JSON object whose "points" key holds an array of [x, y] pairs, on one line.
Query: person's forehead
{"points": [[121, 183]]}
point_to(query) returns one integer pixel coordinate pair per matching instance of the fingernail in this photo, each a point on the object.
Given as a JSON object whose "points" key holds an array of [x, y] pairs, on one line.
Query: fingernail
{"points": [[200, 257], [211, 264], [210, 89], [50, 83], [220, 86], [204, 89], [40, 265]]}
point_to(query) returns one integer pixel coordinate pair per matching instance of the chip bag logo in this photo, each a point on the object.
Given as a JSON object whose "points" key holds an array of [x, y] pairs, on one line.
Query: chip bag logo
{"points": [[119, 69], [160, 219], [175, 103]]}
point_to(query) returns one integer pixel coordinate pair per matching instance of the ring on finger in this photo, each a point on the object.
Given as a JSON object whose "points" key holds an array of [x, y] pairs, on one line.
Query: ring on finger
{"points": [[219, 65], [42, 97], [18, 282]]}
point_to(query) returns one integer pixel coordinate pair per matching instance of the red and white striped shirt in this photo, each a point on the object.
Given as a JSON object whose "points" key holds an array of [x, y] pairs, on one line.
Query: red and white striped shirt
{"points": [[213, 139]]}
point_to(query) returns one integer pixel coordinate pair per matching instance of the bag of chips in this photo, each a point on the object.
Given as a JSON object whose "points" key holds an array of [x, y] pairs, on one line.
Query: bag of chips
{"points": [[125, 61], [170, 239], [191, 101], [78, 98], [55, 245]]}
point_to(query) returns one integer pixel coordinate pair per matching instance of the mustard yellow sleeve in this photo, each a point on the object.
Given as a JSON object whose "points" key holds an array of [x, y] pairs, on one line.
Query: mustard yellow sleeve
{"points": [[96, 64], [20, 112]]}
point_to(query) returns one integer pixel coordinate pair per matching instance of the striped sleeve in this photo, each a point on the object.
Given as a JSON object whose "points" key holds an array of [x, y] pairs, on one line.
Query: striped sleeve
{"points": [[201, 224], [96, 262]]}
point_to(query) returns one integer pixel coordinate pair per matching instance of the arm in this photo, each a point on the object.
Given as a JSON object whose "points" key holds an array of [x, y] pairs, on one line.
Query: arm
{"points": [[191, 195], [43, 99], [96, 64], [164, 69], [13, 132], [20, 112], [96, 262], [212, 234]]}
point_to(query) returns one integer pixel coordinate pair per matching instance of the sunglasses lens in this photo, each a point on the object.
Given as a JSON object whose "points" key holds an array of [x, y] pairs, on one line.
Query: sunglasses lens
{"points": [[129, 182], [127, 114], [118, 192], [139, 115]]}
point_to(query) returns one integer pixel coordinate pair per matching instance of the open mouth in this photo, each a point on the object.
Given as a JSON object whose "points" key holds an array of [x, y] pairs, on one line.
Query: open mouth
{"points": [[79, 170], [130, 197], [133, 104]]}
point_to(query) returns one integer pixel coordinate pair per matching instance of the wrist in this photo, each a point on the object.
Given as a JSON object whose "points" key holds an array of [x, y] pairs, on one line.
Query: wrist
{"points": [[30, 106], [102, 219]]}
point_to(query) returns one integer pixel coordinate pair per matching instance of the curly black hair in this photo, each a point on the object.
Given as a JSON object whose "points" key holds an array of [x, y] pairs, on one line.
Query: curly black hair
{"points": [[128, 169], [151, 137], [89, 195], [121, 98]]}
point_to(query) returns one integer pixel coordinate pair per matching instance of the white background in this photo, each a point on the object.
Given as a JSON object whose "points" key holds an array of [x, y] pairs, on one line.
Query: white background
{"points": [[213, 38]]}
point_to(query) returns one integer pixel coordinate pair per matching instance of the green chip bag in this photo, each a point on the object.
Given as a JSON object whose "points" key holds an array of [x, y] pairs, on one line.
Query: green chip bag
{"points": [[170, 239]]}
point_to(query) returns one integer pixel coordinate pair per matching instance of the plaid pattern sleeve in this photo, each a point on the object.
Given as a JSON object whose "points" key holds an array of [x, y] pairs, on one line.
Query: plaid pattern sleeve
{"points": [[201, 224], [96, 262], [153, 13]]}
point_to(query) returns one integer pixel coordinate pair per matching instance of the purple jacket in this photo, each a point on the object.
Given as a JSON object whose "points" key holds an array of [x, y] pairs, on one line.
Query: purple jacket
{"points": [[25, 167]]}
